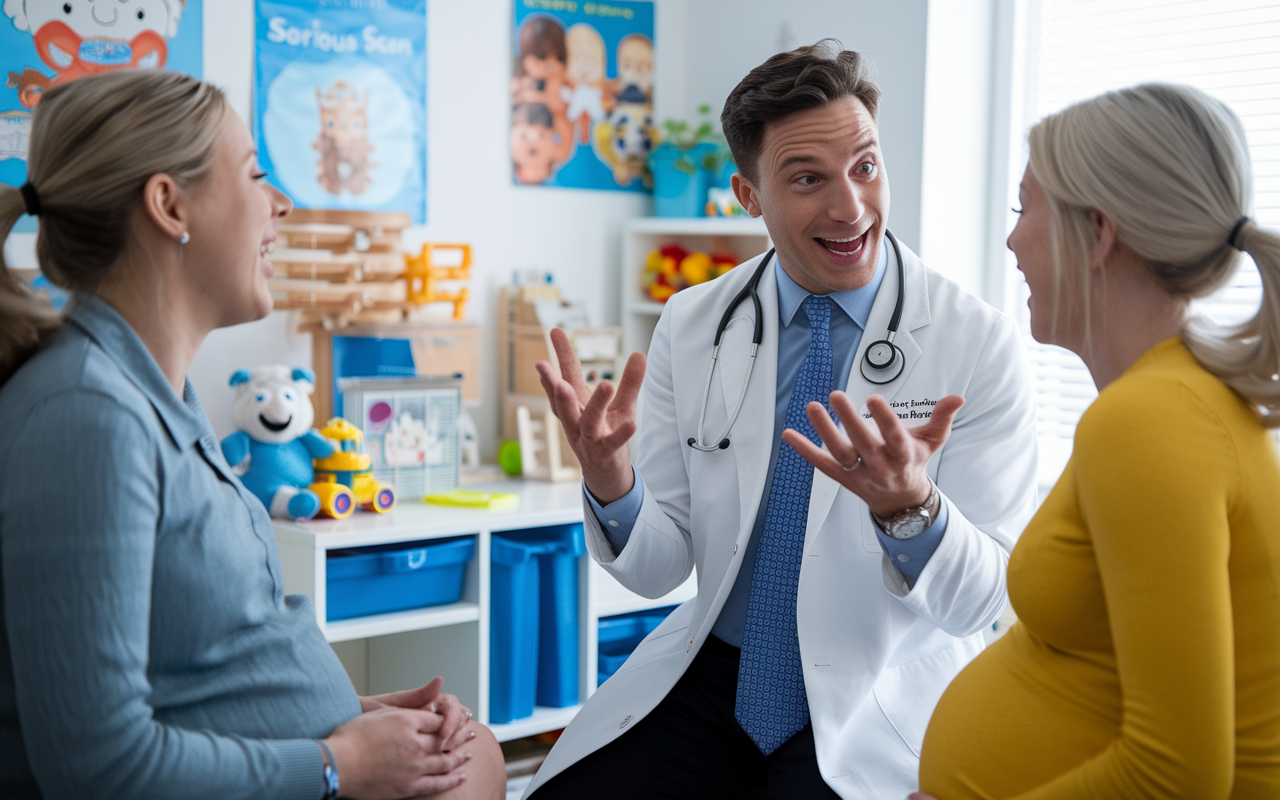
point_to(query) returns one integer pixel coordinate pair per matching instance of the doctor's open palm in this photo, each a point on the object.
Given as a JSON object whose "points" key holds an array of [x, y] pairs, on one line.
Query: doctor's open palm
{"points": [[885, 469], [597, 424]]}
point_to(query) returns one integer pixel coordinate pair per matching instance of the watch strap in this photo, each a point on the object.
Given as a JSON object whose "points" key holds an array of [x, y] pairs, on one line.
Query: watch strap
{"points": [[330, 771], [894, 525]]}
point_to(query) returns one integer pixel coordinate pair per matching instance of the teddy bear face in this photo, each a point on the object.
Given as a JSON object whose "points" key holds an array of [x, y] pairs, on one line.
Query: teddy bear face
{"points": [[273, 404]]}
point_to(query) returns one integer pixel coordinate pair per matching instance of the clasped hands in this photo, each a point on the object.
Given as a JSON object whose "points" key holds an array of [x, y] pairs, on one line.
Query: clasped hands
{"points": [[403, 744], [885, 469]]}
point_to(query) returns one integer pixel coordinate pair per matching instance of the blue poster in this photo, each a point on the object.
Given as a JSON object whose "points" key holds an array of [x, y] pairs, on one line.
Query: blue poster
{"points": [[47, 42], [341, 102], [582, 94]]}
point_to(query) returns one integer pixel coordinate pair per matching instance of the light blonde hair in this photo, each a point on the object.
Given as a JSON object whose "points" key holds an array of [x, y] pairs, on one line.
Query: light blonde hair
{"points": [[94, 144], [1170, 165]]}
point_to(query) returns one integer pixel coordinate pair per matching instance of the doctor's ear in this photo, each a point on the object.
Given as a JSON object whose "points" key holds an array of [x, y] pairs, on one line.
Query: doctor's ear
{"points": [[746, 193]]}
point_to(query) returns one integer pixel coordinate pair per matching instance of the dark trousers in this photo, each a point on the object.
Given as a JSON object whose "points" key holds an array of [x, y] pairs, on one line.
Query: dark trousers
{"points": [[691, 746]]}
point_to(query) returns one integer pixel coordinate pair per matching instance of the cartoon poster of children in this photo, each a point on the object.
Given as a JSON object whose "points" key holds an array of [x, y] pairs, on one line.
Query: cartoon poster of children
{"points": [[341, 102], [582, 94], [44, 43]]}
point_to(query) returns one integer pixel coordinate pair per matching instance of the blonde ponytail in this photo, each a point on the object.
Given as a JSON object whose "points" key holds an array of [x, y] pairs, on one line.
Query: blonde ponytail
{"points": [[95, 142], [1170, 164], [1247, 356], [25, 317]]}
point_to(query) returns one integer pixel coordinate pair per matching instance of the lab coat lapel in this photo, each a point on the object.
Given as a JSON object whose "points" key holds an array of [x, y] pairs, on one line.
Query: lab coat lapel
{"points": [[752, 435], [915, 314]]}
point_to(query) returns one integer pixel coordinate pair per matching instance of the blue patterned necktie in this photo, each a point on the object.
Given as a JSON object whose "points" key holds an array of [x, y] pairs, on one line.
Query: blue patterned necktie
{"points": [[772, 705]]}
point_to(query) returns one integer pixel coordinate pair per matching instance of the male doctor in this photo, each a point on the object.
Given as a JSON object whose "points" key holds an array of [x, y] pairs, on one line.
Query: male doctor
{"points": [[834, 604]]}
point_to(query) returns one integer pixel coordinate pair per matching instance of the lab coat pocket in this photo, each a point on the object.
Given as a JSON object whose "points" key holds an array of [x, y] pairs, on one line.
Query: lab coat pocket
{"points": [[667, 638], [907, 694]]}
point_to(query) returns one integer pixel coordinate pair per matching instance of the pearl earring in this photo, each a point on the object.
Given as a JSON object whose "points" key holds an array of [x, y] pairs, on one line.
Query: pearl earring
{"points": [[184, 238]]}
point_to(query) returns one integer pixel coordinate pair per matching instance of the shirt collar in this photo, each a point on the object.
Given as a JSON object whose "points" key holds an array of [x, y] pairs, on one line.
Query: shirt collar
{"points": [[856, 303], [184, 419]]}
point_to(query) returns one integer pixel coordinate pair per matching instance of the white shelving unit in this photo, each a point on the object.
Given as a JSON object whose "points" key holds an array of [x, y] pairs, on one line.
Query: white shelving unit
{"points": [[405, 649], [743, 236]]}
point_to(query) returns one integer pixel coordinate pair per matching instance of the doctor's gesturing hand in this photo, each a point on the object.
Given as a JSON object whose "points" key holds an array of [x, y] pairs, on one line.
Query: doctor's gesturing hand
{"points": [[597, 424], [886, 470]]}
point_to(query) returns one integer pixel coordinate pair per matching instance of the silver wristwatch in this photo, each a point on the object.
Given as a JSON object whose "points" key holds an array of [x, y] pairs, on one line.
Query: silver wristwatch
{"points": [[911, 522]]}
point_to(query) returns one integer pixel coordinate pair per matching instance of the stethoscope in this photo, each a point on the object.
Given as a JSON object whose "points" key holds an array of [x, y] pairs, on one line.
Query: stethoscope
{"points": [[882, 362]]}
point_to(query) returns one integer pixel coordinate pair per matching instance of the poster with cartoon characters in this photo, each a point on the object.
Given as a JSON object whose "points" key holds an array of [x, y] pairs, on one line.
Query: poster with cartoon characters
{"points": [[47, 42], [582, 94], [341, 102]]}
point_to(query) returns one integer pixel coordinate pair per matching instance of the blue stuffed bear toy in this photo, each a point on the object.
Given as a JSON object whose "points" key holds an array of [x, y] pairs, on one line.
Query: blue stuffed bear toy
{"points": [[273, 447]]}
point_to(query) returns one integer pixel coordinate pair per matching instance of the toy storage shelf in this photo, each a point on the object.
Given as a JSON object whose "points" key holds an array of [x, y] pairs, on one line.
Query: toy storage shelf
{"points": [[743, 236], [405, 649]]}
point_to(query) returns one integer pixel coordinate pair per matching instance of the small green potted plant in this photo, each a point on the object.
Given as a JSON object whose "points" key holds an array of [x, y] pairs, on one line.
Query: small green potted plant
{"points": [[688, 160]]}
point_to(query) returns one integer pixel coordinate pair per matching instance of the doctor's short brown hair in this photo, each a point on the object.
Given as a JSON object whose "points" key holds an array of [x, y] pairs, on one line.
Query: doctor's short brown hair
{"points": [[804, 78]]}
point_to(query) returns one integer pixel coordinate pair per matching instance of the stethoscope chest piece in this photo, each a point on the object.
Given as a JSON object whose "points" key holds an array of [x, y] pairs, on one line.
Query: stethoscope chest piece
{"points": [[882, 362]]}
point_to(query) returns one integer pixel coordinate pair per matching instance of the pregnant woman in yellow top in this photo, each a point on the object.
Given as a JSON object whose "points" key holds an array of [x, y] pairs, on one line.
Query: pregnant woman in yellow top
{"points": [[1146, 659]]}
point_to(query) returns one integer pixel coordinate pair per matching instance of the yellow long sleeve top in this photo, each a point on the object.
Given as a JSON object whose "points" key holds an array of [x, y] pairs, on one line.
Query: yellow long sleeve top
{"points": [[1146, 659]]}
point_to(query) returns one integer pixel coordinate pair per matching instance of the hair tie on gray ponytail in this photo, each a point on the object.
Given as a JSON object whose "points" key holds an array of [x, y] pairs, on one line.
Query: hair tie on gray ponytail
{"points": [[30, 197], [1231, 240]]}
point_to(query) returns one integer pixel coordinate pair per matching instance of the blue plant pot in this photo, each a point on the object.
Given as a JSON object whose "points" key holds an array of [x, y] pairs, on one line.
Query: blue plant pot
{"points": [[676, 193]]}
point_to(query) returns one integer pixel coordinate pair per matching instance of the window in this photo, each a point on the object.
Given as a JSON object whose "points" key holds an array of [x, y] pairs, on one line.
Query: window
{"points": [[1070, 50]]}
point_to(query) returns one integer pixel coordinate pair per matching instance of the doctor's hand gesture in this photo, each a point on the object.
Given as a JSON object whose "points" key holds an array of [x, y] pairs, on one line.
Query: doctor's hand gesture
{"points": [[886, 470], [597, 424]]}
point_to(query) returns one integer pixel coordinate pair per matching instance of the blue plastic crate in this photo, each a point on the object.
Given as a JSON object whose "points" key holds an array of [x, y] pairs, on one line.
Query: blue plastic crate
{"points": [[621, 634], [363, 581], [533, 620]]}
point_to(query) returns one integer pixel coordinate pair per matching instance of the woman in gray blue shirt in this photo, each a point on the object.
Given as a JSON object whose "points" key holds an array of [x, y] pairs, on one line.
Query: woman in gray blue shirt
{"points": [[147, 647]]}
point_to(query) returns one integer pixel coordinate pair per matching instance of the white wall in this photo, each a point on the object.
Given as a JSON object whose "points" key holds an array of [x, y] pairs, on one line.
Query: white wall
{"points": [[703, 48]]}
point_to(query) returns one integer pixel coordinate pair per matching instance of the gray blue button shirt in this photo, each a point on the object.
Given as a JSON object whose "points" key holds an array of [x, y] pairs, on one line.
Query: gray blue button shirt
{"points": [[909, 556], [147, 648]]}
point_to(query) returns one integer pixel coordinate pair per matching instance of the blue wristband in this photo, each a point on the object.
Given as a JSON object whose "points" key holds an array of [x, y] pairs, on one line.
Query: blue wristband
{"points": [[330, 772]]}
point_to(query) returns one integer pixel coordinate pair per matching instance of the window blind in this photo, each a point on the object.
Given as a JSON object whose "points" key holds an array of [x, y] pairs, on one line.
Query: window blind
{"points": [[1074, 49]]}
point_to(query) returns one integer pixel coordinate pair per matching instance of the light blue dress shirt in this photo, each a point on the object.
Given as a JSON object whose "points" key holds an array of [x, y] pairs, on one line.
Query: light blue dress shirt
{"points": [[910, 555]]}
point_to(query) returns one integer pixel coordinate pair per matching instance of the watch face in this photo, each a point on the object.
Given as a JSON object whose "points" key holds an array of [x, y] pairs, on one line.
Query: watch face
{"points": [[911, 527]]}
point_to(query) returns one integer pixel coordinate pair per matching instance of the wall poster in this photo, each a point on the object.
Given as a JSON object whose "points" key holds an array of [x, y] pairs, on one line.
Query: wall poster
{"points": [[582, 94], [47, 42], [341, 105]]}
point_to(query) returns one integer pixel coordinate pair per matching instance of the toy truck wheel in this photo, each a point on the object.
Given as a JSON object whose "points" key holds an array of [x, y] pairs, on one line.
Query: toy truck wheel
{"points": [[384, 499], [336, 500]]}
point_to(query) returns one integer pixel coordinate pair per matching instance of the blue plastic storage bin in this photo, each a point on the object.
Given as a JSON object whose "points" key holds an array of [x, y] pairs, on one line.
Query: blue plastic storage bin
{"points": [[620, 635], [395, 577], [533, 620]]}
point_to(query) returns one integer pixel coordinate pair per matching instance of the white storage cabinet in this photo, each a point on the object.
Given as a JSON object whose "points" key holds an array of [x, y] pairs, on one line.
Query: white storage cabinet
{"points": [[405, 649]]}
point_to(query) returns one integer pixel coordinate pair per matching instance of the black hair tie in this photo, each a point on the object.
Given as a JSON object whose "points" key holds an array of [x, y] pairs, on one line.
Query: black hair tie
{"points": [[1231, 240], [30, 197]]}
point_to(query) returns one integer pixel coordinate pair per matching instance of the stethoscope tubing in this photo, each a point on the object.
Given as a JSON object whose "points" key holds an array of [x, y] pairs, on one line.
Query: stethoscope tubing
{"points": [[751, 290]]}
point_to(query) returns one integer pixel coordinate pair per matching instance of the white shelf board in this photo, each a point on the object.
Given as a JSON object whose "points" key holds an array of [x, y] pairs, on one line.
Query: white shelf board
{"points": [[699, 226], [646, 307], [540, 504], [544, 719], [401, 621]]}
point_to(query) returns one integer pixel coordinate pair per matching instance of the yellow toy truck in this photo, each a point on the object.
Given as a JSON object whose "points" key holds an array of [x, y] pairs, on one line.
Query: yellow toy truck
{"points": [[345, 479]]}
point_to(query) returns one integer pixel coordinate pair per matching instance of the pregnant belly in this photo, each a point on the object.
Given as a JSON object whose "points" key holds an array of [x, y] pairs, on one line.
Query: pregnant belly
{"points": [[1010, 722]]}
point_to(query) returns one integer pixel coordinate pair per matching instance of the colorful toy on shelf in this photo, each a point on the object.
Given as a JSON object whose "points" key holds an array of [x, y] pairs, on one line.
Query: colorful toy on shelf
{"points": [[273, 448], [422, 273], [344, 479], [345, 267], [723, 203], [671, 268]]}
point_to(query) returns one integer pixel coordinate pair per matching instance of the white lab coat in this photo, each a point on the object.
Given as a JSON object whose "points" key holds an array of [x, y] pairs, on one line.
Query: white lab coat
{"points": [[877, 656]]}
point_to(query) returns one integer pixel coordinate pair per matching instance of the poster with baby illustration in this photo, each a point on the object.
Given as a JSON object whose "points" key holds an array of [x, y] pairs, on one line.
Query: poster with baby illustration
{"points": [[341, 105], [582, 94], [44, 43]]}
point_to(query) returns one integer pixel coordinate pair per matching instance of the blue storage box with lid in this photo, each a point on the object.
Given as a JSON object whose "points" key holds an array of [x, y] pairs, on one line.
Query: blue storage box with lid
{"points": [[533, 620], [620, 635], [362, 581]]}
